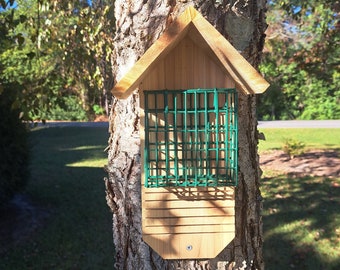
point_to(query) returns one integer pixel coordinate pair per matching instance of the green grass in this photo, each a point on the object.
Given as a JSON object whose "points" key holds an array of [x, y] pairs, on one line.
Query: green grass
{"points": [[301, 223], [312, 137], [67, 181], [301, 215]]}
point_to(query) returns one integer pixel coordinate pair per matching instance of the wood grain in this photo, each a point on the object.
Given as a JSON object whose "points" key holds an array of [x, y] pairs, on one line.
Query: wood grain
{"points": [[201, 217], [204, 59]]}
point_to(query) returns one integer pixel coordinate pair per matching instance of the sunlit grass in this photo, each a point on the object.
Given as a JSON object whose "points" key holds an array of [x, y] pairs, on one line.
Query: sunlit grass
{"points": [[91, 163], [323, 138], [86, 147]]}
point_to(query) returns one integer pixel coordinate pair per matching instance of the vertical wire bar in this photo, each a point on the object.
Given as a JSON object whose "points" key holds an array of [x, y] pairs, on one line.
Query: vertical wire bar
{"points": [[228, 138], [232, 146], [191, 134], [198, 136], [217, 132], [185, 140], [203, 137], [190, 165], [166, 137], [157, 141], [236, 137], [146, 145], [199, 162], [207, 137], [175, 139], [195, 143], [231, 140], [198, 117]]}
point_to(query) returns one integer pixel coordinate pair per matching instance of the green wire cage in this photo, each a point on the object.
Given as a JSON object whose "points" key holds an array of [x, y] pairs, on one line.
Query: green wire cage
{"points": [[190, 138]]}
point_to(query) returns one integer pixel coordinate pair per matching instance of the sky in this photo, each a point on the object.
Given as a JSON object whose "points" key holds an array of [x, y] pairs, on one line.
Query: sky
{"points": [[8, 6], [15, 5]]}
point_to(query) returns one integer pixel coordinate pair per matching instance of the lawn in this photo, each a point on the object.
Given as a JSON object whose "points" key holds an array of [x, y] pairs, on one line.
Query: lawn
{"points": [[324, 138], [301, 223], [67, 182], [301, 215]]}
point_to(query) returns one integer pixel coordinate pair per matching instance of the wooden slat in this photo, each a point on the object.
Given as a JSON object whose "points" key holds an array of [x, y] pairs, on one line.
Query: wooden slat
{"points": [[196, 212], [189, 229], [179, 204], [189, 194], [187, 221]]}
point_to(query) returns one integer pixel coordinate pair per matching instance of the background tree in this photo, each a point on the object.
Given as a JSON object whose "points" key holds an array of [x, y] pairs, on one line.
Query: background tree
{"points": [[14, 149], [53, 54], [86, 47], [301, 60], [59, 53], [28, 62], [138, 25]]}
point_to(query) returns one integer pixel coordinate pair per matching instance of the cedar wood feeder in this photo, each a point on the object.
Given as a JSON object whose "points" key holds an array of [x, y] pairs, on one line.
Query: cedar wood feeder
{"points": [[188, 84]]}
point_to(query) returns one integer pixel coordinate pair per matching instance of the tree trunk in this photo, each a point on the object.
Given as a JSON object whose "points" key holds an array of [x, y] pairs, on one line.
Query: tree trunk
{"points": [[138, 24]]}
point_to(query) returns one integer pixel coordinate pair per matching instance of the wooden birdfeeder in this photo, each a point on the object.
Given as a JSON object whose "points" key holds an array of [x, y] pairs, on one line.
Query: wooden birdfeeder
{"points": [[188, 81]]}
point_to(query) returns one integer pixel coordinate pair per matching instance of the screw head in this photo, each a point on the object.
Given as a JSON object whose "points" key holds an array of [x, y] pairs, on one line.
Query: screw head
{"points": [[189, 247]]}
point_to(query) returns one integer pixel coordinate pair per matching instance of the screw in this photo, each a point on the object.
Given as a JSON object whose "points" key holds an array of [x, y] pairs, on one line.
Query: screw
{"points": [[189, 247]]}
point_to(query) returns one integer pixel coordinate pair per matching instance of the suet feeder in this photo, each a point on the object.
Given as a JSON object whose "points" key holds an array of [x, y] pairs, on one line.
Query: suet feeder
{"points": [[189, 81]]}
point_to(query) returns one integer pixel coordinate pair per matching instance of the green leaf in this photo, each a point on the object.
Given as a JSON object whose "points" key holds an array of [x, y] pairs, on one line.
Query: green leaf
{"points": [[99, 27]]}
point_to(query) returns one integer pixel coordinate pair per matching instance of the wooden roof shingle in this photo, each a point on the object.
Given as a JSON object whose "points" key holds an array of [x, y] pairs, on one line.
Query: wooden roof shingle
{"points": [[191, 22]]}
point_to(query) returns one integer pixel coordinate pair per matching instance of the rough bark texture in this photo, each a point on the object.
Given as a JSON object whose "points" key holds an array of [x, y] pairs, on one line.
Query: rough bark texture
{"points": [[139, 24]]}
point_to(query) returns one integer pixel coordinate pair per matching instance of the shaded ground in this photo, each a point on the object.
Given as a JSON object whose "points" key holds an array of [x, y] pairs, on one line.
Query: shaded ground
{"points": [[313, 163], [21, 218]]}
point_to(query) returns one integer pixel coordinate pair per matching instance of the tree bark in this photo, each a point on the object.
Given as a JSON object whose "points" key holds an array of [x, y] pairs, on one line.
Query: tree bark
{"points": [[138, 25]]}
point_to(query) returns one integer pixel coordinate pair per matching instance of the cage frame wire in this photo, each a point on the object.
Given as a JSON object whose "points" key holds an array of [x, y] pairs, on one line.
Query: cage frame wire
{"points": [[186, 146]]}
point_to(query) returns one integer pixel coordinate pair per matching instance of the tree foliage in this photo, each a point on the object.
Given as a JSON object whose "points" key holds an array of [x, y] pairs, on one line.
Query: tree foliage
{"points": [[58, 48], [14, 148], [301, 60], [54, 49]]}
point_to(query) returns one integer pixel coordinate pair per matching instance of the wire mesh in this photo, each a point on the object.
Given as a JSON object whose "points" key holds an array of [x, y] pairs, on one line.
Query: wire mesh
{"points": [[191, 138]]}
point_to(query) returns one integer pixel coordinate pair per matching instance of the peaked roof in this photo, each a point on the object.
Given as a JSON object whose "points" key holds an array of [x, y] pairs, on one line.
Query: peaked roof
{"points": [[246, 77]]}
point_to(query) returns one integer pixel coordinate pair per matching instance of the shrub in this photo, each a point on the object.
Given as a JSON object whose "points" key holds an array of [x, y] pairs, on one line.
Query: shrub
{"points": [[293, 148], [98, 110], [14, 157], [68, 108]]}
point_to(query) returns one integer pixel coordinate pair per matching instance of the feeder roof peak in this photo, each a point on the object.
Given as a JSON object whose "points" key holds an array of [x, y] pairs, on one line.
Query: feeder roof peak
{"points": [[191, 23]]}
